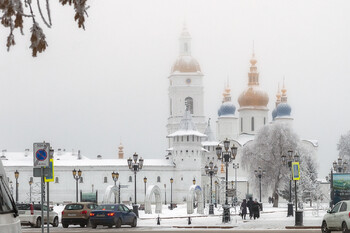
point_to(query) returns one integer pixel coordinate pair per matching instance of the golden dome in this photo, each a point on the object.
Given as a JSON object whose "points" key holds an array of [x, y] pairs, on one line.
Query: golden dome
{"points": [[254, 97], [186, 64]]}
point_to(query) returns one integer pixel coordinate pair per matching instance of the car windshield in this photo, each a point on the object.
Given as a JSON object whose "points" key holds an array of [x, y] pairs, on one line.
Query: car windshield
{"points": [[106, 207], [6, 200], [74, 207]]}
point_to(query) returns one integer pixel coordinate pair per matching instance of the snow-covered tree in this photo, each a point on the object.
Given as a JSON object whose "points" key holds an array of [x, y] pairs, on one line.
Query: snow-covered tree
{"points": [[344, 147], [14, 15], [271, 142]]}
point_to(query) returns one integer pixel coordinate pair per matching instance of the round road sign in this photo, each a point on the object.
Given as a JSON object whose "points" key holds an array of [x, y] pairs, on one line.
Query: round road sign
{"points": [[41, 155]]}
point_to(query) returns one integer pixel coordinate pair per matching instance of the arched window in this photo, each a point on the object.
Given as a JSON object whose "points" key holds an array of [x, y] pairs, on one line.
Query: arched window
{"points": [[158, 179], [130, 178], [241, 124], [189, 103], [56, 180], [105, 179], [171, 107], [264, 120], [186, 47], [252, 124], [188, 138]]}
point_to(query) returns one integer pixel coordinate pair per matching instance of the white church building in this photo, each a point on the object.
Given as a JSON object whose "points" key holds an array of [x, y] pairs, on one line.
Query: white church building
{"points": [[191, 144]]}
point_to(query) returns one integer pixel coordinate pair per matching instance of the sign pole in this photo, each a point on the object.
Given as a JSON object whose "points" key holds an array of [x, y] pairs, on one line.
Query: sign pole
{"points": [[48, 208], [42, 199]]}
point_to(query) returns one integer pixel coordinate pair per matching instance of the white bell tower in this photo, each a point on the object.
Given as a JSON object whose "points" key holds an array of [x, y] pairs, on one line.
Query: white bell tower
{"points": [[185, 86]]}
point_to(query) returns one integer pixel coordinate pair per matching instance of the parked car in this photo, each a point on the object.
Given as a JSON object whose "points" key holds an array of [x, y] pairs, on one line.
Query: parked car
{"points": [[77, 214], [113, 214], [338, 218], [30, 214]]}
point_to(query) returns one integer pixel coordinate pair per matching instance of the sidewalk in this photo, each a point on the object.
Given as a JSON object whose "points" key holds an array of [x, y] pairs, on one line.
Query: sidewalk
{"points": [[270, 218]]}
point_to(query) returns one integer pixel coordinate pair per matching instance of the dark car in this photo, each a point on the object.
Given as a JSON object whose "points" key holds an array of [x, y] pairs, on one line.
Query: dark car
{"points": [[112, 214]]}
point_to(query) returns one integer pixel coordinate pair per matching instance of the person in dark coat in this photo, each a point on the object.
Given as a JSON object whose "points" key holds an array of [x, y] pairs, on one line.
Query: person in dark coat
{"points": [[249, 205], [256, 209], [244, 208]]}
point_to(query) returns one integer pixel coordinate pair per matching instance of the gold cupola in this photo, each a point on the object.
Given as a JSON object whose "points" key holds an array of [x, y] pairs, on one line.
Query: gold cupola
{"points": [[253, 96], [121, 151]]}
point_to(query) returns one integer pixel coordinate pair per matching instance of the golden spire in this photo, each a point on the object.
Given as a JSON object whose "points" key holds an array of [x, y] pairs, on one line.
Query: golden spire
{"points": [[121, 151], [253, 75], [284, 93], [278, 95], [227, 93], [222, 168]]}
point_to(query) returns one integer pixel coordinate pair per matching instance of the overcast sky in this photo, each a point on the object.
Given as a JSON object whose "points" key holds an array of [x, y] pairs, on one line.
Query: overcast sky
{"points": [[92, 89]]}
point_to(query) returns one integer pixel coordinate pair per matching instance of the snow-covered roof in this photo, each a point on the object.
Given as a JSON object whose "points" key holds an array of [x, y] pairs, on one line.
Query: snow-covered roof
{"points": [[186, 133], [71, 159], [313, 142], [210, 143], [209, 132]]}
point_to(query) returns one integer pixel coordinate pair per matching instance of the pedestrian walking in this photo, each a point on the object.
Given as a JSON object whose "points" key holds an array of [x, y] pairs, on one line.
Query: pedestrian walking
{"points": [[249, 205], [244, 209], [256, 209]]}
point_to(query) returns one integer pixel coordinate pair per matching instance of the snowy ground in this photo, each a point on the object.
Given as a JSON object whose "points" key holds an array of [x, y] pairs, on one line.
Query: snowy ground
{"points": [[270, 218]]}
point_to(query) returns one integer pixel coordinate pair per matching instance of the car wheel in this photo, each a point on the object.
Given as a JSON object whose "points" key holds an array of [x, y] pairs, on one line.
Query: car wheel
{"points": [[119, 223], [344, 228], [65, 225], [324, 227], [88, 223], [82, 225], [93, 225], [110, 226], [38, 222], [134, 223], [55, 222]]}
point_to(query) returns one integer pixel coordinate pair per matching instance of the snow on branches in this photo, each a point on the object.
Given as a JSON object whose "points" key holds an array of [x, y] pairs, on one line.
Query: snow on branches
{"points": [[13, 17], [266, 150], [343, 147]]}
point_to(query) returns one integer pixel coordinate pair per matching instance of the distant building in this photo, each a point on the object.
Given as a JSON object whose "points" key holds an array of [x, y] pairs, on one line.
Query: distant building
{"points": [[190, 138]]}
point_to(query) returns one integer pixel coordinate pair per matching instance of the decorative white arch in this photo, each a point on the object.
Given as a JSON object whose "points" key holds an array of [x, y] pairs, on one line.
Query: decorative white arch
{"points": [[107, 197], [153, 189], [195, 190]]}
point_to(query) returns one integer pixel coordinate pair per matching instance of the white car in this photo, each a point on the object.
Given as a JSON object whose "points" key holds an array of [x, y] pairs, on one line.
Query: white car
{"points": [[30, 214], [338, 218]]}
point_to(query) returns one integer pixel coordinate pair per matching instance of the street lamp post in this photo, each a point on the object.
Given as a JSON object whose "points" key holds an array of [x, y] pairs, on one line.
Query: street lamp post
{"points": [[16, 177], [226, 157], [216, 194], [294, 158], [145, 181], [171, 193], [288, 162], [194, 201], [30, 189], [115, 177], [341, 166], [76, 177], [211, 170], [165, 194], [135, 165], [259, 174]]}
